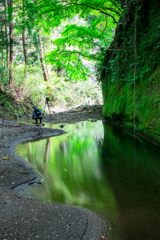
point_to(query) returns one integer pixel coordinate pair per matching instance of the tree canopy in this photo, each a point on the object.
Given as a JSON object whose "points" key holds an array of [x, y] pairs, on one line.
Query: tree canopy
{"points": [[87, 29], [71, 31]]}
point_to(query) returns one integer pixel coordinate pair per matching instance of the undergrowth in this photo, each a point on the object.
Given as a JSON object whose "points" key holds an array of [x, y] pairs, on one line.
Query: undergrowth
{"points": [[19, 98]]}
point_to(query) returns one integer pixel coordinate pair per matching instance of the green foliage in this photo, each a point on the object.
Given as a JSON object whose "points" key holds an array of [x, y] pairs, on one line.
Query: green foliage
{"points": [[19, 72], [88, 38], [74, 37], [60, 91], [3, 75], [8, 107], [81, 29], [70, 61], [77, 42], [118, 79], [121, 60]]}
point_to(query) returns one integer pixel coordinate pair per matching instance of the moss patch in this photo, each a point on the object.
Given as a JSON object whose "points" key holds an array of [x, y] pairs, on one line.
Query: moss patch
{"points": [[118, 70]]}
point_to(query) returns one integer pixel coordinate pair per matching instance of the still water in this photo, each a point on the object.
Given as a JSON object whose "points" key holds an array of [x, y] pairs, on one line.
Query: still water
{"points": [[105, 169]]}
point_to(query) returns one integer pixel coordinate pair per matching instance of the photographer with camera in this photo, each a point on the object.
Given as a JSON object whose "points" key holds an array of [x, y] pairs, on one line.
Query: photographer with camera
{"points": [[37, 114]]}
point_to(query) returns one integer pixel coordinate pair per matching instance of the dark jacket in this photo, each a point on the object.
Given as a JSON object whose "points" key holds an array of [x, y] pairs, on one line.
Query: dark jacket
{"points": [[37, 112]]}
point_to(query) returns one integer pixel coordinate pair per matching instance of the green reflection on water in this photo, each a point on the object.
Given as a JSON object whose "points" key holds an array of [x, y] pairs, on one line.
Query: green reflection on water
{"points": [[103, 168], [132, 167], [72, 167]]}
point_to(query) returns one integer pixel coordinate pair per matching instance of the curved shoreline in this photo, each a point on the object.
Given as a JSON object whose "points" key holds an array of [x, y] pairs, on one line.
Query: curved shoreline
{"points": [[23, 218]]}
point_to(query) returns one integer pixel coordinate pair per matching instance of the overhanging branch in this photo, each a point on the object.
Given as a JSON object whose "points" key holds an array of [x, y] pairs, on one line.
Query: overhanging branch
{"points": [[79, 53], [78, 4]]}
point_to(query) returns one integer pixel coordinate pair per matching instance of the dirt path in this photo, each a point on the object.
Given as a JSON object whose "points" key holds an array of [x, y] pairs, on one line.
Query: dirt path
{"points": [[22, 218]]}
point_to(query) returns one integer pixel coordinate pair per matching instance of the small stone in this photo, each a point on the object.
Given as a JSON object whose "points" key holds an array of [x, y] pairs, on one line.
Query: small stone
{"points": [[61, 126]]}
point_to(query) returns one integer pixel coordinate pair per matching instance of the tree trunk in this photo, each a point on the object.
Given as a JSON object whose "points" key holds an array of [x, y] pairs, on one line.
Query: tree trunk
{"points": [[24, 41], [25, 53], [6, 36], [24, 47], [1, 49], [10, 14], [41, 59], [44, 50]]}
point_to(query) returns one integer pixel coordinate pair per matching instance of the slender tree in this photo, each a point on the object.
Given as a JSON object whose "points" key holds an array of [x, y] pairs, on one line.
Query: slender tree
{"points": [[3, 41], [25, 51], [45, 63], [41, 58], [11, 59], [24, 40], [6, 36], [24, 36]]}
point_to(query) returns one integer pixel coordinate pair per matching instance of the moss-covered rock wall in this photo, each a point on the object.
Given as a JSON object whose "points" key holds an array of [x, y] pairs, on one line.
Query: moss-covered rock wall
{"points": [[132, 66]]}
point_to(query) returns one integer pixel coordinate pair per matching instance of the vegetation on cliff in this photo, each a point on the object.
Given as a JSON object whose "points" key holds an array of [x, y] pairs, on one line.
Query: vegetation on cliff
{"points": [[131, 70]]}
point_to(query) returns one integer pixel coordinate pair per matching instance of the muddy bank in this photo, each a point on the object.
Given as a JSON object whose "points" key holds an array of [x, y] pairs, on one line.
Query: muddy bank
{"points": [[84, 113], [22, 218]]}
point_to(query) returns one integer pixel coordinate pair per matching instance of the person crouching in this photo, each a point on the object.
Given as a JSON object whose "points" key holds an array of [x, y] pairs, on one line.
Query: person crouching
{"points": [[37, 114]]}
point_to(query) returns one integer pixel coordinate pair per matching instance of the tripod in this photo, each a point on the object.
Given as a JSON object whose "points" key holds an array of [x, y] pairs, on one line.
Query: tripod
{"points": [[47, 103]]}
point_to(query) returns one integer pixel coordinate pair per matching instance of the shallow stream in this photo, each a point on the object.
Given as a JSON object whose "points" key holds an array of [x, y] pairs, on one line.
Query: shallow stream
{"points": [[103, 168]]}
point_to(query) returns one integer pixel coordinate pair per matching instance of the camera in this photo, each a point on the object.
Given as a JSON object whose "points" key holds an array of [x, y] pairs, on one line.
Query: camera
{"points": [[47, 100]]}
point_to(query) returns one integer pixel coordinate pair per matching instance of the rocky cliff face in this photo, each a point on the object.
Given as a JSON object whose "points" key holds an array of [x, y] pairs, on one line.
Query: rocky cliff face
{"points": [[131, 71]]}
